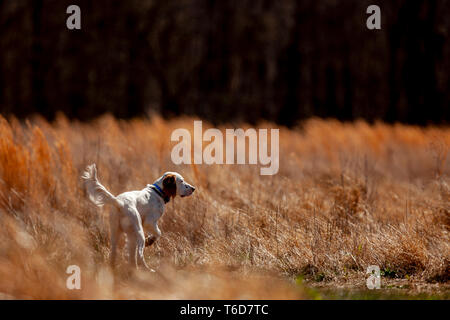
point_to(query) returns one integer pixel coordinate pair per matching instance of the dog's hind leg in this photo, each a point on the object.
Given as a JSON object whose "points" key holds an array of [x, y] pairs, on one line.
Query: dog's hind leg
{"points": [[115, 234], [136, 245], [136, 237], [131, 243], [141, 247]]}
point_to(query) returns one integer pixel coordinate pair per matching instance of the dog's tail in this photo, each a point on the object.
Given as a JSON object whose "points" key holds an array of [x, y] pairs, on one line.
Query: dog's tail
{"points": [[97, 193]]}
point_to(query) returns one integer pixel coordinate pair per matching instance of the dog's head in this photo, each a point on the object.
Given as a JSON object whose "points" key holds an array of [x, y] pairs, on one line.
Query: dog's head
{"points": [[173, 184]]}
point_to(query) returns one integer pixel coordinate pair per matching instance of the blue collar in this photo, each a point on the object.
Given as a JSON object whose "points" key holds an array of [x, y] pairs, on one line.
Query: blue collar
{"points": [[160, 192], [157, 187]]}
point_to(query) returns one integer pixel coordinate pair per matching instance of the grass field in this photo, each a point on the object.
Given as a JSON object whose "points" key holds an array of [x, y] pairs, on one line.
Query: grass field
{"points": [[347, 195]]}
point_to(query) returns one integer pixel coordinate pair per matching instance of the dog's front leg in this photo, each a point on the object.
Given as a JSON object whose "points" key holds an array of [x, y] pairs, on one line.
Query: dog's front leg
{"points": [[155, 234]]}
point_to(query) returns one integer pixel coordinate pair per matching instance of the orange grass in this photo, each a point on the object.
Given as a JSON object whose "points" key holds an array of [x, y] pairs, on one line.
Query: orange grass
{"points": [[348, 195]]}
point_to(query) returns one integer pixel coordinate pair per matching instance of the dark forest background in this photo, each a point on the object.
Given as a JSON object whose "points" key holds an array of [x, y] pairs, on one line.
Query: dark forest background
{"points": [[227, 60]]}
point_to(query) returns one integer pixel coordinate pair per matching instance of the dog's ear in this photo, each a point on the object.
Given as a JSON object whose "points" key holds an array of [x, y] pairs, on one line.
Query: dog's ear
{"points": [[170, 185]]}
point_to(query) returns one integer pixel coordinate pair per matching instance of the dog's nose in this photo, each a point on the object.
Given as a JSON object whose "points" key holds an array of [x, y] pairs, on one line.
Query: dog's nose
{"points": [[193, 188]]}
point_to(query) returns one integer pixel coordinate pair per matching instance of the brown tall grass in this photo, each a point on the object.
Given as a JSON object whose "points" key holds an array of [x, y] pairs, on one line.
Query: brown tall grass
{"points": [[347, 196]]}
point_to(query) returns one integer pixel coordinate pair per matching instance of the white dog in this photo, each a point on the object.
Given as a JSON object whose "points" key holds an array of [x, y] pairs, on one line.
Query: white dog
{"points": [[135, 211]]}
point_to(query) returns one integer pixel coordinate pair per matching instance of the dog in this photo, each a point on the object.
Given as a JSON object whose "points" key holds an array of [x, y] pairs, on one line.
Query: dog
{"points": [[136, 211]]}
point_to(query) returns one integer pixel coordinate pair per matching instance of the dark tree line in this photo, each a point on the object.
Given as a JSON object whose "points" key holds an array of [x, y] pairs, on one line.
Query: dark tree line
{"points": [[234, 60]]}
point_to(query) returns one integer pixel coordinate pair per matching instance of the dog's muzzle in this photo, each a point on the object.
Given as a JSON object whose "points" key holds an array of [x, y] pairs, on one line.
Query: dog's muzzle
{"points": [[190, 191]]}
